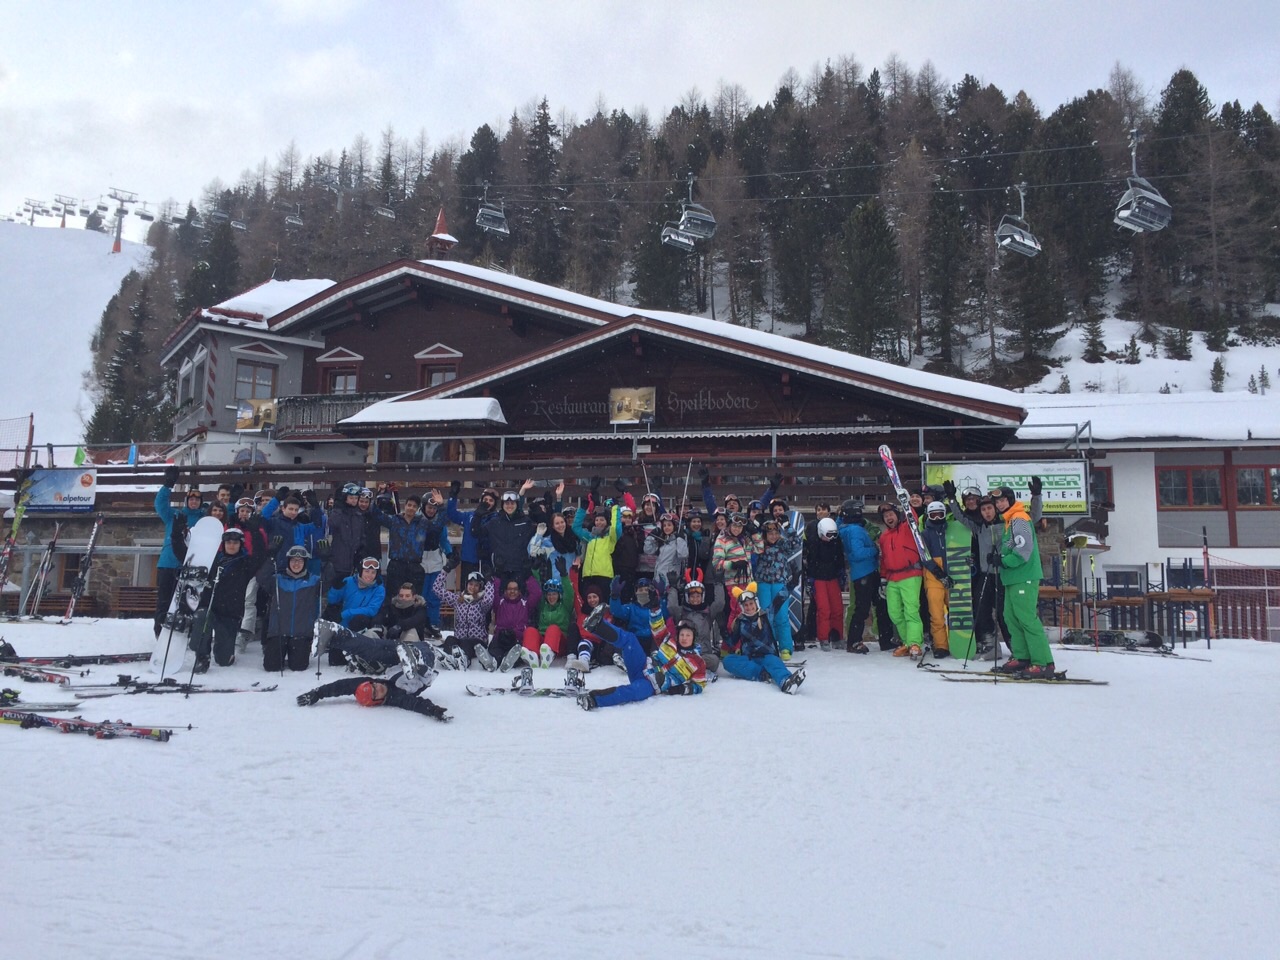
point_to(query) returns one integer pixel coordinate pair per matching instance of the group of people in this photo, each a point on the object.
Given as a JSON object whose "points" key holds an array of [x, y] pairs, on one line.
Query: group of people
{"points": [[670, 594]]}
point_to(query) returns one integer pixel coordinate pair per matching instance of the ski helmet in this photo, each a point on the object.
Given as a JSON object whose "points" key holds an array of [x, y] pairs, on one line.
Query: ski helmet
{"points": [[669, 516], [1007, 493], [246, 503], [300, 552], [850, 511], [475, 576], [367, 694], [937, 509], [351, 489], [826, 528], [968, 492], [233, 533], [686, 625], [694, 584], [552, 586]]}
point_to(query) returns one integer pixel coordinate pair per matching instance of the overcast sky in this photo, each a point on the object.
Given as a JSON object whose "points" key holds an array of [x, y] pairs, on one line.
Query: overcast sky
{"points": [[162, 97]]}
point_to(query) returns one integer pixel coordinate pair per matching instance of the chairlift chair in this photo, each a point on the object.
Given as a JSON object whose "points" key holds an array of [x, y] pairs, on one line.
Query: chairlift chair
{"points": [[293, 220], [146, 215], [1141, 208], [103, 208], [218, 216], [84, 211], [492, 217], [674, 236], [238, 225], [697, 220], [385, 212], [1013, 233]]}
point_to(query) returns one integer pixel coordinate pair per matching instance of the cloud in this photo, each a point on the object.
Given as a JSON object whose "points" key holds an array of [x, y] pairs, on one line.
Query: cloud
{"points": [[323, 75], [312, 11]]}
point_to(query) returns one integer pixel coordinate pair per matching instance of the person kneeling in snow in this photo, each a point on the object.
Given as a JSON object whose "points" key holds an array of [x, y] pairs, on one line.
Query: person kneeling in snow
{"points": [[677, 667], [750, 650], [402, 689]]}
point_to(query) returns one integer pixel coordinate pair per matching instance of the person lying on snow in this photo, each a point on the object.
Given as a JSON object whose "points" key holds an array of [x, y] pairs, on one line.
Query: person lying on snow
{"points": [[402, 689], [676, 668]]}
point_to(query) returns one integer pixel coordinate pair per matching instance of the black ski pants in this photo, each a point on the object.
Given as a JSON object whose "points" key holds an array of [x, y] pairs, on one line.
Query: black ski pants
{"points": [[866, 596], [166, 581]]}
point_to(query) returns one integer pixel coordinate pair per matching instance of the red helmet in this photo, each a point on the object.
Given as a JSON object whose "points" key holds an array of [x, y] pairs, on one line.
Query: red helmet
{"points": [[366, 696]]}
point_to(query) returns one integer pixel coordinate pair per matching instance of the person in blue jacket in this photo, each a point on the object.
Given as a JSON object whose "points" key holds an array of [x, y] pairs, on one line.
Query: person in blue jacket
{"points": [[293, 611], [282, 518], [635, 617], [360, 597], [169, 564], [863, 558], [469, 550]]}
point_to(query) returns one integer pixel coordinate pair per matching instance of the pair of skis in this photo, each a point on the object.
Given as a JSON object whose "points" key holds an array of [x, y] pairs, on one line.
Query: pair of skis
{"points": [[1060, 678], [101, 730], [522, 686]]}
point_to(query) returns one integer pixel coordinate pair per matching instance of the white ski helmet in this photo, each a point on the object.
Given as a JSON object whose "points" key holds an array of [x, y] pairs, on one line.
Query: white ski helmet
{"points": [[826, 528]]}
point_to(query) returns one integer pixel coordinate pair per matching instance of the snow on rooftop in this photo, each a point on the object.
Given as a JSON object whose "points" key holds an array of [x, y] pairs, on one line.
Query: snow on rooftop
{"points": [[1151, 416], [400, 410], [269, 298], [814, 353]]}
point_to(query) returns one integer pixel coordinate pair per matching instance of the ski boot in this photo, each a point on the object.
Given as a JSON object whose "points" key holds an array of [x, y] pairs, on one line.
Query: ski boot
{"points": [[1012, 666], [792, 683], [486, 658], [1038, 672], [545, 656], [619, 662], [587, 701], [529, 656], [202, 665]]}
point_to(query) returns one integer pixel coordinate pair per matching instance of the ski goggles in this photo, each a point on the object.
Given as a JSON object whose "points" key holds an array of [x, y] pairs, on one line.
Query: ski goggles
{"points": [[244, 502], [513, 497], [370, 563]]}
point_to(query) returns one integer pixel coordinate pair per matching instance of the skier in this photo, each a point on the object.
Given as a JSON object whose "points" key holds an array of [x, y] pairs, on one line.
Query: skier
{"points": [[937, 578], [470, 542], [862, 556], [635, 616], [701, 606], [403, 689], [404, 617], [294, 608], [824, 565], [900, 579], [170, 562], [554, 631], [233, 569], [358, 598], [407, 538], [750, 651], [676, 668], [1020, 573], [512, 613], [471, 609], [774, 576]]}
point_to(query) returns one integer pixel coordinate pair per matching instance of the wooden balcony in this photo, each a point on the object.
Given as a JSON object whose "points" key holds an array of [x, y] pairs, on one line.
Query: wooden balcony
{"points": [[316, 415]]}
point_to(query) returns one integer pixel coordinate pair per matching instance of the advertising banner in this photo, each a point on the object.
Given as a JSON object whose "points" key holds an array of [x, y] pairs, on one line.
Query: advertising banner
{"points": [[632, 405], [65, 491], [255, 414], [1064, 483]]}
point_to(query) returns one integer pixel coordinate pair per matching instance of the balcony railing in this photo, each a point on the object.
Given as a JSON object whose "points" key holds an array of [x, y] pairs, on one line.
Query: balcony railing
{"points": [[316, 415]]}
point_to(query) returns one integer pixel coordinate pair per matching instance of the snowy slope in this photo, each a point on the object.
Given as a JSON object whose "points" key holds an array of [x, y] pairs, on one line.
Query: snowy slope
{"points": [[882, 812], [54, 285]]}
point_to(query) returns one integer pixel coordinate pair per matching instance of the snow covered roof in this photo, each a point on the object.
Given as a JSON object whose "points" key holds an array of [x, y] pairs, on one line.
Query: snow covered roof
{"points": [[1222, 417], [257, 305], [405, 409]]}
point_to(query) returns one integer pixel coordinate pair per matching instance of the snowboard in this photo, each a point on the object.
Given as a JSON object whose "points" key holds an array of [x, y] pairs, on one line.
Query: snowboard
{"points": [[795, 600], [960, 615], [171, 648]]}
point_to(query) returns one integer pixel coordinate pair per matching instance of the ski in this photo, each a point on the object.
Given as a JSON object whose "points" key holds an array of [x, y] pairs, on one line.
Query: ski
{"points": [[184, 688], [1166, 654], [904, 502], [82, 574], [476, 691], [35, 674], [101, 730], [1060, 679], [13, 698], [31, 602], [77, 660]]}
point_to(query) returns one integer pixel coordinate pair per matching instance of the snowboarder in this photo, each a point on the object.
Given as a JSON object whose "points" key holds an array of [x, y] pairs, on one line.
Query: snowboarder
{"points": [[402, 689], [232, 571]]}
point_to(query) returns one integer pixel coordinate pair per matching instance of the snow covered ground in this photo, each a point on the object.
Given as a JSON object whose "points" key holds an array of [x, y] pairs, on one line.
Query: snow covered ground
{"points": [[54, 285], [882, 812]]}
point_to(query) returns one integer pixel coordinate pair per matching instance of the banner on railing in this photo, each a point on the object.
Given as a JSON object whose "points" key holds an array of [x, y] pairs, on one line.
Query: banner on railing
{"points": [[1064, 483], [63, 491], [255, 414]]}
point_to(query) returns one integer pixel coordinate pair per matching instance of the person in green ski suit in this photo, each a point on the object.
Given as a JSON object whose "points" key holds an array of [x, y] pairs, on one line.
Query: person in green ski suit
{"points": [[1020, 573]]}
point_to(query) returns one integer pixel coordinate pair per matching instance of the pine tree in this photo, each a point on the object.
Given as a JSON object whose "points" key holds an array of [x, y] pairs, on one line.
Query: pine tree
{"points": [[867, 287], [1064, 384], [1264, 378], [1095, 348], [217, 276], [1218, 375], [1132, 354], [944, 270], [542, 239], [1253, 384], [132, 405]]}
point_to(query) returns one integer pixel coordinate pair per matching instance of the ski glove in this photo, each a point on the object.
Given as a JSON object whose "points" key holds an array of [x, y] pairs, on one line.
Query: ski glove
{"points": [[948, 582], [275, 543], [777, 480], [394, 631], [949, 488], [308, 699], [562, 567], [595, 487], [170, 477], [615, 588], [705, 476], [455, 487], [452, 562], [1035, 486], [620, 485], [324, 548]]}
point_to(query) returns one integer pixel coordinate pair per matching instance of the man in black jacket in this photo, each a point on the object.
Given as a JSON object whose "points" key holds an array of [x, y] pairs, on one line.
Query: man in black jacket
{"points": [[224, 598], [508, 534], [401, 689]]}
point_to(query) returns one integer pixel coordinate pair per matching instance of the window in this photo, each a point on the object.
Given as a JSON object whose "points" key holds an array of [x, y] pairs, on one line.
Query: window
{"points": [[434, 374], [342, 380], [255, 381], [1189, 487], [419, 451], [1099, 486], [70, 570], [1258, 486]]}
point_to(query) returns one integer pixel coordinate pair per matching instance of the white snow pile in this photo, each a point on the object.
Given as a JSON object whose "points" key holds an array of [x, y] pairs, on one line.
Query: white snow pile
{"points": [[54, 285], [882, 812]]}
